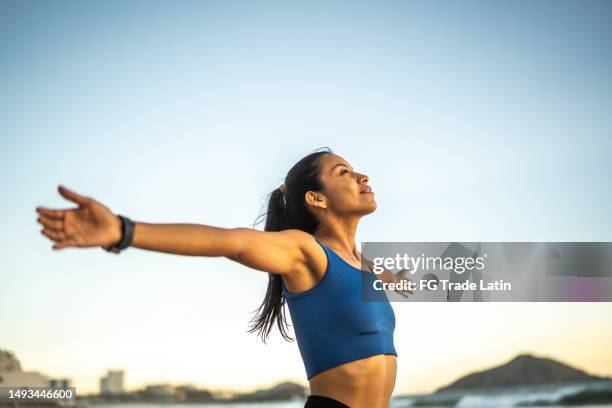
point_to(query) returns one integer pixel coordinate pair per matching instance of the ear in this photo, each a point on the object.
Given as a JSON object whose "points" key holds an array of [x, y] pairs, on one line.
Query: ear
{"points": [[315, 199]]}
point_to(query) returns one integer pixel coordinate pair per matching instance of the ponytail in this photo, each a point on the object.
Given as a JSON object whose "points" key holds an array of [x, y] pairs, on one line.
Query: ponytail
{"points": [[272, 306], [277, 219], [287, 209]]}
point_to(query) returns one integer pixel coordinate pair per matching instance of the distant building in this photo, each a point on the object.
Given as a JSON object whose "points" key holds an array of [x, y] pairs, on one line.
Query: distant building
{"points": [[181, 392], [112, 383], [23, 379], [61, 383], [161, 390]]}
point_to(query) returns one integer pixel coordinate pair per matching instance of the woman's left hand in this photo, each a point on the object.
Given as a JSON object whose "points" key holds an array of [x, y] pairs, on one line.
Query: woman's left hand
{"points": [[403, 276]]}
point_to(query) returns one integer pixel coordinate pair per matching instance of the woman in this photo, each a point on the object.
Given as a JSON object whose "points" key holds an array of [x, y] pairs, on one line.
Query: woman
{"points": [[308, 249]]}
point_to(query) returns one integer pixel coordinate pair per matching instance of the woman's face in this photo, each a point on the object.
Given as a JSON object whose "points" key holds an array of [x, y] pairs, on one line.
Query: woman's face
{"points": [[346, 191]]}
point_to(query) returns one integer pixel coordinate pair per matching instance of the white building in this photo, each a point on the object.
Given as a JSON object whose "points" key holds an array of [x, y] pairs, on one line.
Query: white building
{"points": [[112, 383]]}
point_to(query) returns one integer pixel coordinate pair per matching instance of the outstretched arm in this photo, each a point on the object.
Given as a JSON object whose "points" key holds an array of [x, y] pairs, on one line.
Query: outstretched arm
{"points": [[276, 252], [94, 225]]}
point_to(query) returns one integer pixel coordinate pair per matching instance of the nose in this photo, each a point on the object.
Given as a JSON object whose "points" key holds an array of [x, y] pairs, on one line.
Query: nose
{"points": [[362, 178]]}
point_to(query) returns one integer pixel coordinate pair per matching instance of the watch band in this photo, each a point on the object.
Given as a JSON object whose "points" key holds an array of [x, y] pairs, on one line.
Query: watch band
{"points": [[127, 235]]}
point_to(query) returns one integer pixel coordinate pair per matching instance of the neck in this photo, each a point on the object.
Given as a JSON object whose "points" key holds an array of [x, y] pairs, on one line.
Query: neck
{"points": [[340, 234]]}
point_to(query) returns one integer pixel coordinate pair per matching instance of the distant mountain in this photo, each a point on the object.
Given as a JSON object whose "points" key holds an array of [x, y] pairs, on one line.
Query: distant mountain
{"points": [[524, 369], [280, 391]]}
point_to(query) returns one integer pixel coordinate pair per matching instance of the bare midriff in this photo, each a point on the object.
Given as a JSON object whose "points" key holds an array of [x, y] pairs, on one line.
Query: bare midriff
{"points": [[365, 383]]}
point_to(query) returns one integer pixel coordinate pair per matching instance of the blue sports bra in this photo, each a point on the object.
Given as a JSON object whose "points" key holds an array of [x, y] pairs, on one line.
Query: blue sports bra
{"points": [[333, 325]]}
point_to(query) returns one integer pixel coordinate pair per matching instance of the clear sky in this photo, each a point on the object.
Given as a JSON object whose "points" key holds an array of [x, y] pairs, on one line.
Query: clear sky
{"points": [[476, 121]]}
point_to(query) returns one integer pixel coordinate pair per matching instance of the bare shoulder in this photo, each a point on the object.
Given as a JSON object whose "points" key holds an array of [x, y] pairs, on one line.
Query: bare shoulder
{"points": [[314, 261]]}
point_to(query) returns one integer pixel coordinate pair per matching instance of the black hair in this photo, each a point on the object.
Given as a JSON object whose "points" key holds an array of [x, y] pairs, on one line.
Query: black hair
{"points": [[287, 210]]}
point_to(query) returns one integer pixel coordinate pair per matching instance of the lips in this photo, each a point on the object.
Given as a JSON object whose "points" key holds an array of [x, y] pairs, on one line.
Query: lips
{"points": [[366, 190]]}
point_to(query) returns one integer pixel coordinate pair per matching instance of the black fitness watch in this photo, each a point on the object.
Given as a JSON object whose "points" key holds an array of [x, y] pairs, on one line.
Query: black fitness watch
{"points": [[127, 235]]}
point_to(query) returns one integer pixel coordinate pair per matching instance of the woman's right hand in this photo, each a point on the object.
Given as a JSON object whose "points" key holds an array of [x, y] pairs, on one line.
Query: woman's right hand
{"points": [[92, 224]]}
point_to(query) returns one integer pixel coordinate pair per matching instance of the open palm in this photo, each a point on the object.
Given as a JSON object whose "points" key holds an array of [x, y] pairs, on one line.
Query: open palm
{"points": [[90, 225]]}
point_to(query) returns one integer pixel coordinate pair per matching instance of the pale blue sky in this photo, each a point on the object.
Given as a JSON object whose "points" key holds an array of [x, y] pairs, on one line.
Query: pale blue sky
{"points": [[476, 121]]}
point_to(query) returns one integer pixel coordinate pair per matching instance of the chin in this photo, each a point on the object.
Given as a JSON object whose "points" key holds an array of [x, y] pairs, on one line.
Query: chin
{"points": [[370, 208]]}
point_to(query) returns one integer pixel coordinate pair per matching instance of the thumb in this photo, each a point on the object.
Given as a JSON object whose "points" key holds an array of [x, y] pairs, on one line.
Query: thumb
{"points": [[72, 196]]}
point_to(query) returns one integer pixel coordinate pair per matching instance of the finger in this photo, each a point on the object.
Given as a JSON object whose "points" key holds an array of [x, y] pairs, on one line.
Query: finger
{"points": [[53, 234], [403, 294], [64, 244], [72, 196], [51, 223], [47, 234], [57, 214]]}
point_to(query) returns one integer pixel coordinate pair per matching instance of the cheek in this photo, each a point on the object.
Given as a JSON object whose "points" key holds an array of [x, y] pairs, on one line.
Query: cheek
{"points": [[338, 199], [345, 197]]}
